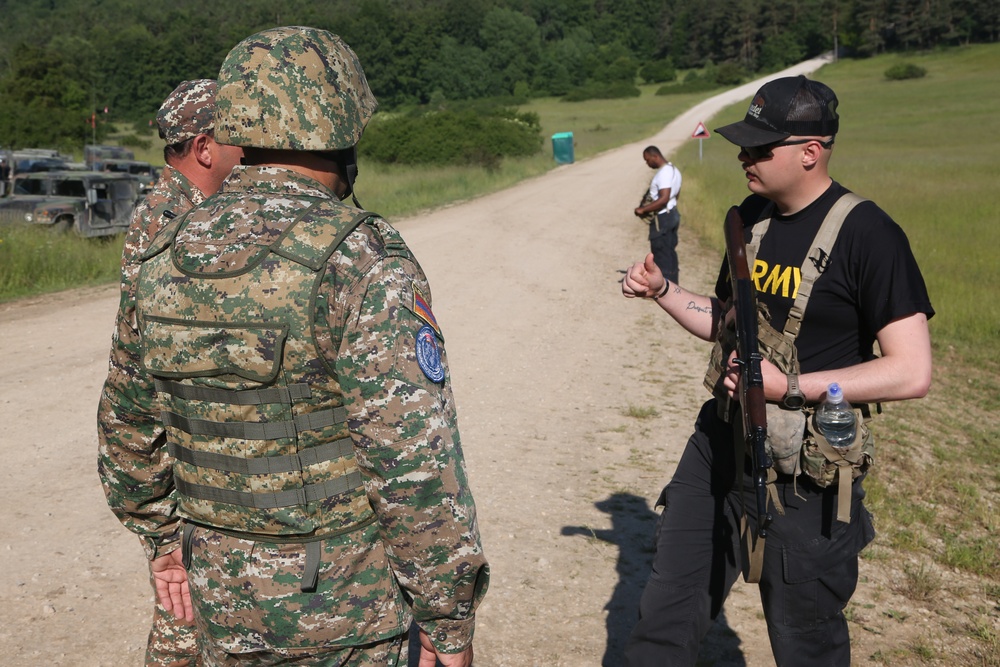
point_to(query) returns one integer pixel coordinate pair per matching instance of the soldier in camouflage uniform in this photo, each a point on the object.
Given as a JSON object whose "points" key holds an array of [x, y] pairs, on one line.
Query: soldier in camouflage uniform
{"points": [[195, 167], [319, 493]]}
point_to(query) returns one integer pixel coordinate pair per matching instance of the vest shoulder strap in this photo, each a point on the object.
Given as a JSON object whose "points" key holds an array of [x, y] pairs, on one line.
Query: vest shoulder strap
{"points": [[816, 257], [165, 236], [317, 233]]}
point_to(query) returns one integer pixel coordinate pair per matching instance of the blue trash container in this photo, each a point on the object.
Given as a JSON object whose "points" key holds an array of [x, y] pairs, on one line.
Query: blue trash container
{"points": [[562, 147]]}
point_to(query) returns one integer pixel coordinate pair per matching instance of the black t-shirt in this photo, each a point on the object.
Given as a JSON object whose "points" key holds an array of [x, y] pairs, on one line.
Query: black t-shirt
{"points": [[870, 279]]}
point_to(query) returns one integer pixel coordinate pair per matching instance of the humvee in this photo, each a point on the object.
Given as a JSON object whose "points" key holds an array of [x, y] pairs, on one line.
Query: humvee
{"points": [[144, 171], [88, 203]]}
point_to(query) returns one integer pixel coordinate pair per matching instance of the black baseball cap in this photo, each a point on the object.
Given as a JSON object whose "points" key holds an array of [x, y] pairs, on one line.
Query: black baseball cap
{"points": [[792, 105]]}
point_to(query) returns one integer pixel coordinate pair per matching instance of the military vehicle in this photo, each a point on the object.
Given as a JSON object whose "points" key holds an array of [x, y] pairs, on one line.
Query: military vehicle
{"points": [[144, 171], [95, 155], [87, 203]]}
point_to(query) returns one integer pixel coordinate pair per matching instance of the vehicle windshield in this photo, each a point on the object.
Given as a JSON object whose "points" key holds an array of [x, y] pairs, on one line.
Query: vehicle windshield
{"points": [[73, 188]]}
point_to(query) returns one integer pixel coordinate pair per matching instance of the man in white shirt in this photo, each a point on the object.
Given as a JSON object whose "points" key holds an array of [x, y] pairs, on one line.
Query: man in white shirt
{"points": [[663, 192]]}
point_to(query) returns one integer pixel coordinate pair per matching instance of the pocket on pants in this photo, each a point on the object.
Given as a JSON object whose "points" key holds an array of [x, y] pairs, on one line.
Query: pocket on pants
{"points": [[820, 577]]}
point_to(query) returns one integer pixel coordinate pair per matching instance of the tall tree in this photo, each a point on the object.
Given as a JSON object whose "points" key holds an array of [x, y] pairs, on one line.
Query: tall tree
{"points": [[44, 101], [513, 47]]}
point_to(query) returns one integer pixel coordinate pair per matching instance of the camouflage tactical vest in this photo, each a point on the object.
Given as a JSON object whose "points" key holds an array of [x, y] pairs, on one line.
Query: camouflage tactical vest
{"points": [[253, 415]]}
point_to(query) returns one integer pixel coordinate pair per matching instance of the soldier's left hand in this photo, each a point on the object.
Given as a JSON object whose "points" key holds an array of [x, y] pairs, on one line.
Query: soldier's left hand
{"points": [[171, 582]]}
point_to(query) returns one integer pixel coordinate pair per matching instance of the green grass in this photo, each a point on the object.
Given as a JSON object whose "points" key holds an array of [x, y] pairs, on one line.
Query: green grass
{"points": [[640, 412], [35, 261]]}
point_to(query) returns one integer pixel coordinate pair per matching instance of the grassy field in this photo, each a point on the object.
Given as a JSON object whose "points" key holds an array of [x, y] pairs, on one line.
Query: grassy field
{"points": [[34, 261]]}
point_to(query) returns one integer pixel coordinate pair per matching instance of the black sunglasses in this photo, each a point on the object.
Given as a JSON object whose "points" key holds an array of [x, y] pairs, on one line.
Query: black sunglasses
{"points": [[761, 152]]}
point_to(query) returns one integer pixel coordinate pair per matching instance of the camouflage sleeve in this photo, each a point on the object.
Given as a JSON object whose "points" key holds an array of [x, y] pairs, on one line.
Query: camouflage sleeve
{"points": [[402, 418], [133, 464]]}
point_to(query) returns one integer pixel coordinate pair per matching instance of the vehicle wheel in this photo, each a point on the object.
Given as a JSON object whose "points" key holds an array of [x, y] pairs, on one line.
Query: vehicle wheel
{"points": [[61, 225]]}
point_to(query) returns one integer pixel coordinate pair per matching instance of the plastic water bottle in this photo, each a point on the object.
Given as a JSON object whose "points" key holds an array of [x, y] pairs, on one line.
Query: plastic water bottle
{"points": [[835, 419]]}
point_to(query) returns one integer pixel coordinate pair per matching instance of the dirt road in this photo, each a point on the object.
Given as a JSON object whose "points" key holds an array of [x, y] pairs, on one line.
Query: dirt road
{"points": [[553, 371]]}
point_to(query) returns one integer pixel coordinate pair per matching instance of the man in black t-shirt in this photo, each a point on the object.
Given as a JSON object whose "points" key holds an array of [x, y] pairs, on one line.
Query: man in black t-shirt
{"points": [[869, 289]]}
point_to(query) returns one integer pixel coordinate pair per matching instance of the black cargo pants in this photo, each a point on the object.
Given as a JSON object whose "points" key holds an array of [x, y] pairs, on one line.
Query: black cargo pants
{"points": [[810, 563]]}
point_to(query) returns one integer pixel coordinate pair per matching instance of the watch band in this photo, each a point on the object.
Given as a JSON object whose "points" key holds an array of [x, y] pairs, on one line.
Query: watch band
{"points": [[793, 399]]}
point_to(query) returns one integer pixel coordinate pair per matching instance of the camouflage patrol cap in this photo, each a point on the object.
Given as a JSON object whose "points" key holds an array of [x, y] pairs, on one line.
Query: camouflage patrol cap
{"points": [[293, 88], [188, 111]]}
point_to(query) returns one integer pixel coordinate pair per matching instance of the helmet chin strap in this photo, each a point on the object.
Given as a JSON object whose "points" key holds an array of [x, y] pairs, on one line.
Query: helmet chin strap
{"points": [[349, 165], [352, 175]]}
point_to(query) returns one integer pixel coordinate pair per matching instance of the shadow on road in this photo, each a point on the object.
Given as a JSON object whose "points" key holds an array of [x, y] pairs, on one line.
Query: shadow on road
{"points": [[632, 531]]}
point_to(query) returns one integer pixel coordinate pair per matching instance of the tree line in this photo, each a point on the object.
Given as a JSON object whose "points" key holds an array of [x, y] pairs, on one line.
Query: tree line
{"points": [[64, 62]]}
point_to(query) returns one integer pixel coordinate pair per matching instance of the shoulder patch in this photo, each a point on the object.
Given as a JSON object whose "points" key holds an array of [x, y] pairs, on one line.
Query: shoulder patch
{"points": [[428, 355], [422, 309]]}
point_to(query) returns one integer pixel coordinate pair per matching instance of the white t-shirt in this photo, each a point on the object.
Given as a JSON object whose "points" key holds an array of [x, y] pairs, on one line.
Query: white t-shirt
{"points": [[667, 176]]}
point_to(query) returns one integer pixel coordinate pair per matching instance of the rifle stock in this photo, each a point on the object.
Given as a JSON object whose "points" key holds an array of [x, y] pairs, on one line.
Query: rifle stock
{"points": [[748, 357]]}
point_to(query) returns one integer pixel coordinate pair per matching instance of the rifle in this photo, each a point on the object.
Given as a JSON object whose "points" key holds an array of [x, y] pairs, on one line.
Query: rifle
{"points": [[649, 217], [748, 357]]}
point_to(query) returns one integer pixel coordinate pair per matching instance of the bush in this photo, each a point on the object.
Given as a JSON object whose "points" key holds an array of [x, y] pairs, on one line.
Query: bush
{"points": [[905, 71], [729, 74], [602, 91], [135, 141], [660, 71], [464, 136]]}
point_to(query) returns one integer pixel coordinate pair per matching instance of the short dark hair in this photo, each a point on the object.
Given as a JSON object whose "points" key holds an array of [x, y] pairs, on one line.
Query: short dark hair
{"points": [[652, 150], [182, 149]]}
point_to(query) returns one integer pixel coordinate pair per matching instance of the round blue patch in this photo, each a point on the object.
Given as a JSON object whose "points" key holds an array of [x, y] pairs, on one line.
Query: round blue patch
{"points": [[428, 355]]}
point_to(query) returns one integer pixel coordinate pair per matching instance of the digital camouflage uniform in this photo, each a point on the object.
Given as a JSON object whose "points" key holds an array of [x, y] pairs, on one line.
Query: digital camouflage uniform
{"points": [[172, 642], [185, 113], [393, 535]]}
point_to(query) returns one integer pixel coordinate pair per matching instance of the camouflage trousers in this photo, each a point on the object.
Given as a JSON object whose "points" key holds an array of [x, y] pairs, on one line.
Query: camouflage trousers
{"points": [[172, 642], [251, 611], [390, 653]]}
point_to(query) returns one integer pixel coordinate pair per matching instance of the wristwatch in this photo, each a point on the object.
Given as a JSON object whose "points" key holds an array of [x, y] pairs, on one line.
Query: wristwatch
{"points": [[793, 398]]}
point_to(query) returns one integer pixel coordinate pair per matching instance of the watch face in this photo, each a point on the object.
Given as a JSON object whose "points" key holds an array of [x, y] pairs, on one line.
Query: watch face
{"points": [[794, 401]]}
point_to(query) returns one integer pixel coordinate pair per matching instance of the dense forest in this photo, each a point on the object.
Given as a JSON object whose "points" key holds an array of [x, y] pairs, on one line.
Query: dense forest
{"points": [[67, 64]]}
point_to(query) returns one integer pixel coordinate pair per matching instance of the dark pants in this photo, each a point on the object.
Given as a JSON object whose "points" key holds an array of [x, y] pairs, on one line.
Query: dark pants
{"points": [[810, 562], [663, 243]]}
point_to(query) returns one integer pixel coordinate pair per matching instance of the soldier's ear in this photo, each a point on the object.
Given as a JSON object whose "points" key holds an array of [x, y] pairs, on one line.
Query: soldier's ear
{"points": [[201, 149]]}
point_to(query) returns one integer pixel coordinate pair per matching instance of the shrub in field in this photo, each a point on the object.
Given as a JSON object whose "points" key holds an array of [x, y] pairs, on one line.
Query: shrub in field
{"points": [[135, 141], [466, 136], [660, 71], [905, 71], [602, 91], [729, 74]]}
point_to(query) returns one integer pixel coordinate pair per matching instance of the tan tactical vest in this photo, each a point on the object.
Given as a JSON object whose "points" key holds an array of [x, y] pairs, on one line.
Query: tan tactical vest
{"points": [[793, 444], [253, 415]]}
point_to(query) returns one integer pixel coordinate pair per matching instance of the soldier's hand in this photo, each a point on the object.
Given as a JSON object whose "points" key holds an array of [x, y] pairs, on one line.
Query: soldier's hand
{"points": [[643, 279], [429, 657], [171, 582]]}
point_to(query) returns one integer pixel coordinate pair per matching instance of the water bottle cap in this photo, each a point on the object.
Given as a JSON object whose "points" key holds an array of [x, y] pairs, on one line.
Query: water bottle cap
{"points": [[834, 393]]}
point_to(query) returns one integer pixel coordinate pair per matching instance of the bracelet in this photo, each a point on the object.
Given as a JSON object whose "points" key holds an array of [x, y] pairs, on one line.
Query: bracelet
{"points": [[666, 284]]}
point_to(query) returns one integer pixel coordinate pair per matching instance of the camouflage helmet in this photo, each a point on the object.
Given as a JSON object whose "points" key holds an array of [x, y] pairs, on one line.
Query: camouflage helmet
{"points": [[292, 88]]}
